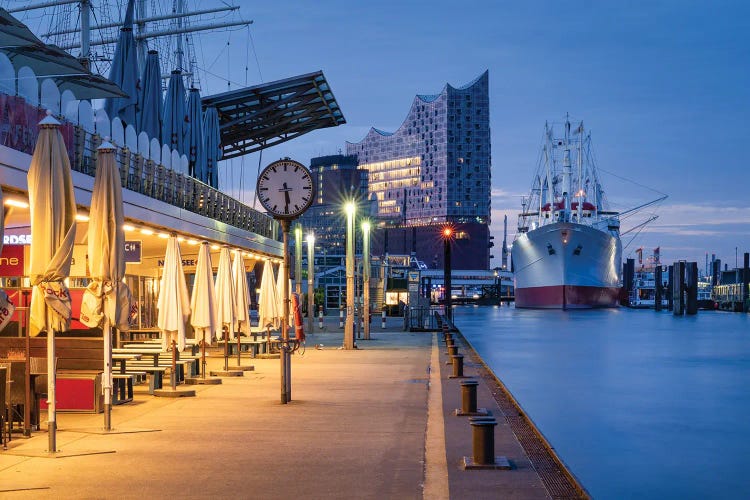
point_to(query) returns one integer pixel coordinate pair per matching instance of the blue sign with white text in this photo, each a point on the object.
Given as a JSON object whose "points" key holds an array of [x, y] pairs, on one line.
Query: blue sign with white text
{"points": [[133, 251]]}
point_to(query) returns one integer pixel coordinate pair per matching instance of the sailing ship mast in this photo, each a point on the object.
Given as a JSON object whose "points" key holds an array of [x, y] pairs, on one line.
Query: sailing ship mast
{"points": [[179, 15]]}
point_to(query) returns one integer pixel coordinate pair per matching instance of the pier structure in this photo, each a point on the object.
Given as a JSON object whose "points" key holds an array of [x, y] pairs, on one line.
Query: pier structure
{"points": [[382, 433]]}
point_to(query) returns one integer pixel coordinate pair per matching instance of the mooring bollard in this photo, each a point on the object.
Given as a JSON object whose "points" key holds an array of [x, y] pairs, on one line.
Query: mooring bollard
{"points": [[448, 337], [341, 317], [469, 396], [483, 440], [452, 350], [382, 319], [458, 366]]}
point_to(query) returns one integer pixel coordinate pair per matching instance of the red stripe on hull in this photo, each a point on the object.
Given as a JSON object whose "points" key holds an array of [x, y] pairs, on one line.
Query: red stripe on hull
{"points": [[567, 297]]}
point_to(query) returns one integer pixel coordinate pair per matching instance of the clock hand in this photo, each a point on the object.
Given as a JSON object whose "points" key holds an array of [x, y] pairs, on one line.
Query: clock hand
{"points": [[286, 197]]}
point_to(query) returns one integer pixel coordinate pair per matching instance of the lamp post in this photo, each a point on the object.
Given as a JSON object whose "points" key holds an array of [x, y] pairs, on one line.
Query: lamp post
{"points": [[349, 324], [310, 281], [366, 276], [298, 259], [447, 236]]}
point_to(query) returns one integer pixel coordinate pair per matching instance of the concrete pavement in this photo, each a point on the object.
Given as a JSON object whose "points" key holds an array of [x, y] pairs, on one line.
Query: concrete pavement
{"points": [[375, 422]]}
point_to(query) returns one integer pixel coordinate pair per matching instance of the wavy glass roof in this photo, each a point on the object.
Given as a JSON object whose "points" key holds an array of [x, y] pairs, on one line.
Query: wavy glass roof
{"points": [[258, 117]]}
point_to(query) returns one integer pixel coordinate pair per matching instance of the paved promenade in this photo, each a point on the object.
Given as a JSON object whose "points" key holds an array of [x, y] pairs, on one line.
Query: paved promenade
{"points": [[376, 422]]}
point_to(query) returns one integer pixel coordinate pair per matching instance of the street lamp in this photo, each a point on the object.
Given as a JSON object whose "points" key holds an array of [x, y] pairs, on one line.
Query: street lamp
{"points": [[310, 281], [447, 237], [350, 209], [298, 259], [366, 276]]}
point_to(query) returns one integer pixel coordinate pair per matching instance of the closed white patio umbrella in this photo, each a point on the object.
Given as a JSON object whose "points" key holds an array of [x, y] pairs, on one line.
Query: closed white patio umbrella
{"points": [[225, 307], [53, 229], [203, 301], [241, 293], [281, 298], [106, 250], [225, 310], [269, 311], [174, 301]]}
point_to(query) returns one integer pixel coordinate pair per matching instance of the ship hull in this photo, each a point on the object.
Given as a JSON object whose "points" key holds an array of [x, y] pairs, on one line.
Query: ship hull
{"points": [[567, 266]]}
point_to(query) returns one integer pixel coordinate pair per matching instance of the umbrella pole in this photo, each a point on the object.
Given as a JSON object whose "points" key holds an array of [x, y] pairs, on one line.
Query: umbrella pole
{"points": [[107, 331], [27, 402], [174, 365], [225, 331], [239, 344], [203, 354], [51, 381]]}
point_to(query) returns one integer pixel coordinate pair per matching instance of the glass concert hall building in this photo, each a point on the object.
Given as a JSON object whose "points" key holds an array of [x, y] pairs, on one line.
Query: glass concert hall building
{"points": [[434, 170]]}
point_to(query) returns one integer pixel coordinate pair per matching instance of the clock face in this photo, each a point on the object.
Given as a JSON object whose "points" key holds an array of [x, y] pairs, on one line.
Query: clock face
{"points": [[285, 188]]}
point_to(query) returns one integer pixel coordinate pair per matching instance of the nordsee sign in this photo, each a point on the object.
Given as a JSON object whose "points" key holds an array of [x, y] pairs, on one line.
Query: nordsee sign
{"points": [[17, 239]]}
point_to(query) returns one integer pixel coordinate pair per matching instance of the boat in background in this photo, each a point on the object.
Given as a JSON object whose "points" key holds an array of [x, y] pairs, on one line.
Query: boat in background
{"points": [[643, 293], [567, 252]]}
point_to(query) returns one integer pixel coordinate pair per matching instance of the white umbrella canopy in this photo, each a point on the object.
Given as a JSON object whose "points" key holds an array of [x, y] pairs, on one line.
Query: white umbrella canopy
{"points": [[241, 293], [53, 229], [107, 293], [106, 248], [280, 294], [269, 311], [203, 300], [225, 308], [174, 301]]}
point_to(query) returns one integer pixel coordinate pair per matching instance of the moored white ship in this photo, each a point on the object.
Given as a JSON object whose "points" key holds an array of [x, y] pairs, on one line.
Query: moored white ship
{"points": [[567, 252]]}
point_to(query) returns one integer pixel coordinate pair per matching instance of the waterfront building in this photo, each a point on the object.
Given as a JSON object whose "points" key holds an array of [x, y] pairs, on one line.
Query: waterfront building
{"points": [[338, 179], [159, 198], [434, 170]]}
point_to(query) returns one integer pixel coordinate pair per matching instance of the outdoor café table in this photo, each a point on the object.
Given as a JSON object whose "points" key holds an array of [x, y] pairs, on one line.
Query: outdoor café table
{"points": [[142, 351], [125, 357]]}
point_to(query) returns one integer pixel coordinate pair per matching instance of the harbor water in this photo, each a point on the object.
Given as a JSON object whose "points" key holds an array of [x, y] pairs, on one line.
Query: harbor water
{"points": [[638, 404]]}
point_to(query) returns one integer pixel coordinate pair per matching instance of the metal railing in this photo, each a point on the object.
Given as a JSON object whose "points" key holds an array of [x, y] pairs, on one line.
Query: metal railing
{"points": [[165, 184]]}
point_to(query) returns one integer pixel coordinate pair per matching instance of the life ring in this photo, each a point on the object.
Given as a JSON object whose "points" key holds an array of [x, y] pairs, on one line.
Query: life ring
{"points": [[299, 331]]}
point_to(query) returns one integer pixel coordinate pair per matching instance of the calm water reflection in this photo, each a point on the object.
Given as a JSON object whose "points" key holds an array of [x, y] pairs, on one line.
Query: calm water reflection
{"points": [[638, 404]]}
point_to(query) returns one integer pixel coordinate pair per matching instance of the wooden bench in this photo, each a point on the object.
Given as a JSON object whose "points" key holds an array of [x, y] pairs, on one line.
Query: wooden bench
{"points": [[155, 376], [122, 387]]}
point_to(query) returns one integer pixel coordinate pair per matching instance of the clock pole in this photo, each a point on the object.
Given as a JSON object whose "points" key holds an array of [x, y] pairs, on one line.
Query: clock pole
{"points": [[285, 357]]}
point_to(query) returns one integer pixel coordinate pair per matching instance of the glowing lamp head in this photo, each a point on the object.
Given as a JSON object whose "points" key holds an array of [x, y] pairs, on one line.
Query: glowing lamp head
{"points": [[311, 239], [447, 232], [366, 226], [350, 207]]}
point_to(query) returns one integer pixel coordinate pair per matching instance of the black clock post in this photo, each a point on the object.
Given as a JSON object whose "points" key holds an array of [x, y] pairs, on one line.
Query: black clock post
{"points": [[286, 190]]}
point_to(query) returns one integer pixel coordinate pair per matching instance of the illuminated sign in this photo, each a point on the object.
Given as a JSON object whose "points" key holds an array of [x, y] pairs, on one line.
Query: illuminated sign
{"points": [[17, 239], [133, 252], [11, 260]]}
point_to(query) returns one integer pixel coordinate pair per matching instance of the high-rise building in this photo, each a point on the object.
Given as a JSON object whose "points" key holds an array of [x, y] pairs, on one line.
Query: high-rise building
{"points": [[434, 170], [337, 180]]}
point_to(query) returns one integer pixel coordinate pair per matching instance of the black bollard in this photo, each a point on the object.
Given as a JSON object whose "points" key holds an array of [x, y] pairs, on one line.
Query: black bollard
{"points": [[458, 366], [469, 400], [483, 445], [483, 439]]}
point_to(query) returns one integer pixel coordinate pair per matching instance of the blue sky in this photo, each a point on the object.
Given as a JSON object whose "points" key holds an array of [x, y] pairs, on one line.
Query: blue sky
{"points": [[664, 86]]}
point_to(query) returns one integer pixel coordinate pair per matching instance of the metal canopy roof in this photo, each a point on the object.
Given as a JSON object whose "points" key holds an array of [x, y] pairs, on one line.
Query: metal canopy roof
{"points": [[262, 116]]}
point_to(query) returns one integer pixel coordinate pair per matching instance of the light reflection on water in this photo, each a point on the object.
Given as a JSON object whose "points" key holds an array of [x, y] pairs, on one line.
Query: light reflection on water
{"points": [[637, 403]]}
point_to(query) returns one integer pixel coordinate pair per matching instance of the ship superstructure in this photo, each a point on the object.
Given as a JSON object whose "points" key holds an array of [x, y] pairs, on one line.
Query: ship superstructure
{"points": [[567, 251]]}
